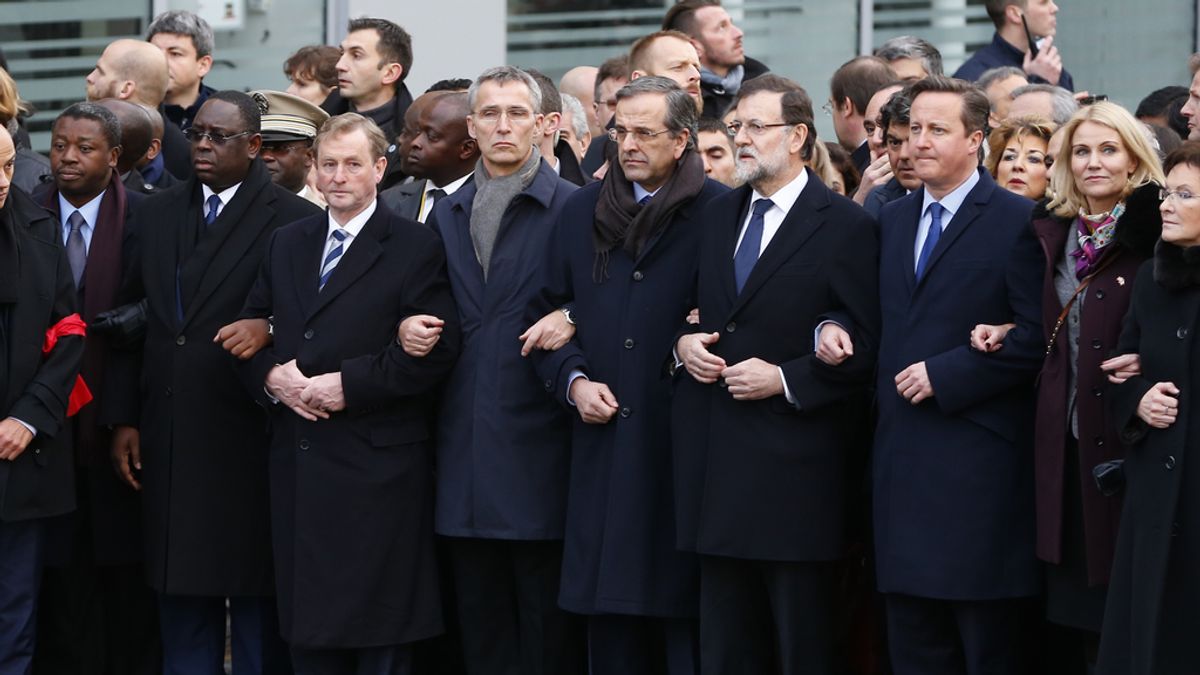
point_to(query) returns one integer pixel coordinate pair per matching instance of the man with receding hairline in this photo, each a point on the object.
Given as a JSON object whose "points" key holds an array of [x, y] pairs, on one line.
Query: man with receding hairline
{"points": [[669, 54], [580, 82]]}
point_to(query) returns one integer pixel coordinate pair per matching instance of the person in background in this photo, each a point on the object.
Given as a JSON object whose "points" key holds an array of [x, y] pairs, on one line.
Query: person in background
{"points": [[30, 168], [999, 84], [1017, 156], [910, 57], [289, 125], [555, 151], [575, 129], [894, 118], [1043, 100], [851, 88], [312, 72], [1191, 107], [724, 66], [440, 156], [580, 83], [613, 75], [187, 41], [1163, 107], [843, 166], [716, 148], [1010, 44], [879, 170]]}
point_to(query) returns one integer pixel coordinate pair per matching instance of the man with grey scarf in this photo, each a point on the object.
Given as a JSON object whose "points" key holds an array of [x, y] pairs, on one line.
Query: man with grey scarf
{"points": [[624, 254], [724, 66]]}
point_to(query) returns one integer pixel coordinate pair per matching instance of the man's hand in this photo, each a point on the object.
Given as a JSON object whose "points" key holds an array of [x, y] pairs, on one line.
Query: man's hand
{"points": [[124, 326], [127, 455], [1047, 65], [753, 380], [834, 344], [287, 383], [419, 333], [877, 173], [550, 333], [594, 401], [14, 438], [325, 393], [1123, 367], [1160, 405], [703, 365], [987, 338], [693, 316], [913, 383], [244, 338]]}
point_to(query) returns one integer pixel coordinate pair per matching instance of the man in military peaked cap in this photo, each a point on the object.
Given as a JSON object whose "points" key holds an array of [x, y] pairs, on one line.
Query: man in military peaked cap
{"points": [[289, 125]]}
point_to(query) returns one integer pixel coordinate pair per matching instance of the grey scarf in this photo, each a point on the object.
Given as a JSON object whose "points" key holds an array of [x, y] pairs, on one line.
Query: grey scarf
{"points": [[730, 84], [492, 197]]}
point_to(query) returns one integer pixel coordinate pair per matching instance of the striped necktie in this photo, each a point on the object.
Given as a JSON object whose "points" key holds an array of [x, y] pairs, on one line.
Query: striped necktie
{"points": [[335, 254]]}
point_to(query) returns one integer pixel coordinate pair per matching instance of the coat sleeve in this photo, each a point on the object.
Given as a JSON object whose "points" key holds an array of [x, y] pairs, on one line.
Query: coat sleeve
{"points": [[378, 379], [1124, 398], [43, 403], [963, 377], [854, 284], [260, 305], [121, 399], [557, 290]]}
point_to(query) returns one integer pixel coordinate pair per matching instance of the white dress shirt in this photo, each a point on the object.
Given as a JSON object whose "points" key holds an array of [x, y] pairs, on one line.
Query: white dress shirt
{"points": [[352, 227], [783, 199], [90, 212], [226, 196], [427, 203], [951, 204]]}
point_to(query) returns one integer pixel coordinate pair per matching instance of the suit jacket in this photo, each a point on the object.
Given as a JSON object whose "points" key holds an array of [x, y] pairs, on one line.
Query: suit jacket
{"points": [[746, 468], [39, 483], [888, 192], [203, 440], [568, 165], [404, 199], [135, 182], [953, 478], [619, 550], [356, 490], [861, 156]]}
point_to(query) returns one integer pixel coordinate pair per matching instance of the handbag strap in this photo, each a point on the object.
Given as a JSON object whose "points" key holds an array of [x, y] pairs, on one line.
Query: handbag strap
{"points": [[1062, 316]]}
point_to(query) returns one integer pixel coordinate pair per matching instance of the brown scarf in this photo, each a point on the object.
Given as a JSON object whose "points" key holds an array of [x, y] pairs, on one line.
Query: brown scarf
{"points": [[621, 221]]}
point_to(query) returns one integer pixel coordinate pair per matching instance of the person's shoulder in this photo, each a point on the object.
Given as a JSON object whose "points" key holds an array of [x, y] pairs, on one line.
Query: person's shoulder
{"points": [[290, 205]]}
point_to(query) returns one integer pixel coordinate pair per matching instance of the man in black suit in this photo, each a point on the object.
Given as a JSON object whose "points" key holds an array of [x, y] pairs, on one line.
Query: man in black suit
{"points": [[851, 88], [37, 301], [97, 614], [436, 151], [189, 437], [351, 461], [762, 426], [724, 66]]}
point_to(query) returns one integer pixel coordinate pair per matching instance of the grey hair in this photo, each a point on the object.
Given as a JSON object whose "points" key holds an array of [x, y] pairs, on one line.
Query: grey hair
{"points": [[579, 123], [183, 22], [97, 113], [681, 107], [912, 47], [1062, 102], [990, 77], [501, 75]]}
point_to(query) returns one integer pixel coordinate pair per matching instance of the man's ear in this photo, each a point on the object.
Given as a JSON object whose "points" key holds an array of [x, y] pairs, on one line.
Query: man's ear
{"points": [[205, 64], [468, 149], [1013, 13], [114, 154], [392, 73]]}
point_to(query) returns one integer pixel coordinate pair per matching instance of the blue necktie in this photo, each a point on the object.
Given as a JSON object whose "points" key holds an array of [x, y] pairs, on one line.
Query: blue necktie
{"points": [[332, 258], [214, 203], [644, 200], [931, 239], [747, 253]]}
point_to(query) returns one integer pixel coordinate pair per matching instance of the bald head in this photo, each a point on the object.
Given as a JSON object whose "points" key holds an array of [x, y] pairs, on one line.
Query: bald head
{"points": [[580, 82], [136, 131], [156, 135], [129, 70]]}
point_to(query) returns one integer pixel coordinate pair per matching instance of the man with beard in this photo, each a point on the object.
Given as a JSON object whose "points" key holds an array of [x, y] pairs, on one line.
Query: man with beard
{"points": [[624, 255], [439, 155], [724, 66], [289, 125], [762, 426], [190, 437], [669, 54]]}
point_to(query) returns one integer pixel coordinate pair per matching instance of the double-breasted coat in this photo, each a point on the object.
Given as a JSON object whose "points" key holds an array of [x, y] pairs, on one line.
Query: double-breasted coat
{"points": [[203, 438]]}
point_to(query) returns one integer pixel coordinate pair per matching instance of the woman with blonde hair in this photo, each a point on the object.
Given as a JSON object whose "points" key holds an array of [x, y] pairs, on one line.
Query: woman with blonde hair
{"points": [[1017, 155], [30, 168], [1100, 225]]}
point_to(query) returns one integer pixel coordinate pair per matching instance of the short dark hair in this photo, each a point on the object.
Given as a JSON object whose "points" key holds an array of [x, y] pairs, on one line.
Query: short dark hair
{"points": [[796, 106], [995, 9], [248, 110], [551, 101], [912, 47], [712, 125], [395, 44], [103, 116], [1167, 102], [314, 62], [1188, 153], [616, 68], [858, 79], [452, 84], [896, 110], [975, 107], [681, 107], [682, 15]]}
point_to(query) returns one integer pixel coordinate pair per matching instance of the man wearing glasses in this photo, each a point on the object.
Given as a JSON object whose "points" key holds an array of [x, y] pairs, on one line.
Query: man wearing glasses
{"points": [[761, 443], [190, 437]]}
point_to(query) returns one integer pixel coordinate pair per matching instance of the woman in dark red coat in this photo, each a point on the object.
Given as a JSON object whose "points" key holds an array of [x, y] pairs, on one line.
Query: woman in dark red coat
{"points": [[1099, 225]]}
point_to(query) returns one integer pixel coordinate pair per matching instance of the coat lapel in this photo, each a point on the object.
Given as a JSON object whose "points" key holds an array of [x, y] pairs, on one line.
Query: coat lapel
{"points": [[727, 245], [971, 208], [306, 262], [910, 220], [364, 250], [456, 235]]}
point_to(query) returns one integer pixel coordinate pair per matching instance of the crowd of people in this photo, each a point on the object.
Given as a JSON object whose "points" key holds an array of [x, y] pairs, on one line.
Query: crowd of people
{"points": [[627, 374]]}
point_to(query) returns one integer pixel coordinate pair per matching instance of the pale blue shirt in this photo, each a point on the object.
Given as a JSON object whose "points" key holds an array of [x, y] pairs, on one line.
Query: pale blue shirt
{"points": [[951, 204], [90, 212]]}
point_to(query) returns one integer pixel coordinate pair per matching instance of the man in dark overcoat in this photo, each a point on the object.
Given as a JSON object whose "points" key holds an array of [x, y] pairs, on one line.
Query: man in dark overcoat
{"points": [[188, 435]]}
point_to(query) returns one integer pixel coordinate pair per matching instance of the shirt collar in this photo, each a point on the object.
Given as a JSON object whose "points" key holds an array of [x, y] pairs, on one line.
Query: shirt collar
{"points": [[90, 211], [226, 195], [953, 201], [355, 224], [640, 193], [449, 188], [786, 196]]}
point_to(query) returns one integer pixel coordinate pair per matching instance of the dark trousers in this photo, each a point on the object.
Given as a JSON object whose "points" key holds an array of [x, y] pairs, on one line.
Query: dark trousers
{"points": [[948, 637], [390, 660], [507, 594], [640, 645], [21, 545], [193, 636], [758, 617]]}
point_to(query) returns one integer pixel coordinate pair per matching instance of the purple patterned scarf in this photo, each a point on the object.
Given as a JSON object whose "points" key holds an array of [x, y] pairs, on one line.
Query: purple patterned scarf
{"points": [[1095, 234]]}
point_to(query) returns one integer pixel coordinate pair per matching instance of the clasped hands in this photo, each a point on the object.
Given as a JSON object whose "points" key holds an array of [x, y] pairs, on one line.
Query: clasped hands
{"points": [[312, 398], [749, 380]]}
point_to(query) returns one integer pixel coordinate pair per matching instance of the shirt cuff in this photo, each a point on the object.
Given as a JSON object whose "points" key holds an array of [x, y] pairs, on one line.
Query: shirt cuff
{"points": [[575, 375], [787, 393], [817, 334], [25, 424]]}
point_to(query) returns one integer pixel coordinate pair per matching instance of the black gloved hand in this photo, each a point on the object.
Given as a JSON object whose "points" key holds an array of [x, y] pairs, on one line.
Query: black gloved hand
{"points": [[124, 326]]}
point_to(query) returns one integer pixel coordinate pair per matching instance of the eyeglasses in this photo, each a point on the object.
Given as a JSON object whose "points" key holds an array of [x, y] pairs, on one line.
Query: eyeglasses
{"points": [[619, 134], [754, 127], [1181, 196], [492, 116], [194, 136]]}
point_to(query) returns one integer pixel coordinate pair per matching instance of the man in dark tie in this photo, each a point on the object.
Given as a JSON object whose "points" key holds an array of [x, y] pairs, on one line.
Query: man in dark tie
{"points": [[189, 436], [763, 428], [436, 151]]}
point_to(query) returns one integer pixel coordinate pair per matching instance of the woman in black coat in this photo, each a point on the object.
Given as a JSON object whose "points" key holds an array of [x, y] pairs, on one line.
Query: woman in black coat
{"points": [[1151, 619]]}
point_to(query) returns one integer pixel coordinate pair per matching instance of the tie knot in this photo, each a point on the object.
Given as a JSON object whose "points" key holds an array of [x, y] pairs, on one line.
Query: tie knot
{"points": [[762, 206], [644, 200], [214, 203], [436, 194], [340, 234], [76, 221], [935, 210]]}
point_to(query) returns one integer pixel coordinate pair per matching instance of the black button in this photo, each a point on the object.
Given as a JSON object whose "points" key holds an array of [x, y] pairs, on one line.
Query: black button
{"points": [[626, 412], [628, 343], [168, 391], [1096, 343], [722, 383], [730, 327], [549, 385], [37, 451], [1170, 462], [1097, 392], [638, 276], [1181, 333], [303, 443], [1099, 295], [1099, 442], [308, 334], [181, 340]]}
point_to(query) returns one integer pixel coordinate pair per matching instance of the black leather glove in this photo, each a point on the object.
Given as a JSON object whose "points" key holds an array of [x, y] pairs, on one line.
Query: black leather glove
{"points": [[124, 326]]}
